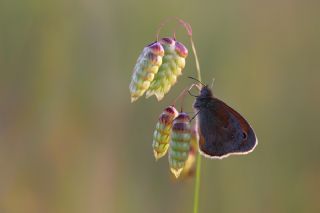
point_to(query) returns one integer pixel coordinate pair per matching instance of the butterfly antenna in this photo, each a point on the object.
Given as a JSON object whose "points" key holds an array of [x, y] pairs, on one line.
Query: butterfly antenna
{"points": [[197, 80]]}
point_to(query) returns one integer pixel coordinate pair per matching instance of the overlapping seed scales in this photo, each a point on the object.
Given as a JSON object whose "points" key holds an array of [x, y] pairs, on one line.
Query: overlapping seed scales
{"points": [[179, 143], [145, 69], [173, 63], [190, 165], [162, 133]]}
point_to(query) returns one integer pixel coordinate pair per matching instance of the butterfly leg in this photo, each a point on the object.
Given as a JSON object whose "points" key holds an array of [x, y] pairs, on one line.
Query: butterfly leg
{"points": [[193, 117], [192, 94], [191, 89]]}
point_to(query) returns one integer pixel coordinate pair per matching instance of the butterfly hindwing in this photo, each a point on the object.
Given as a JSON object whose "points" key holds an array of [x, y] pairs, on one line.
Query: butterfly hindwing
{"points": [[222, 130]]}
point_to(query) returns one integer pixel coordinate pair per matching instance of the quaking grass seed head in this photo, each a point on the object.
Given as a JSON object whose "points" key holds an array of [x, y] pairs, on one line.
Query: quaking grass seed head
{"points": [[162, 132], [172, 65], [145, 69], [190, 165], [180, 143]]}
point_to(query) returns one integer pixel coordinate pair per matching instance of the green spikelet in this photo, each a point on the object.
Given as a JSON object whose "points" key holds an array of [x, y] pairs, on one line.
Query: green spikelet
{"points": [[179, 144], [190, 165], [172, 64], [161, 135], [146, 67]]}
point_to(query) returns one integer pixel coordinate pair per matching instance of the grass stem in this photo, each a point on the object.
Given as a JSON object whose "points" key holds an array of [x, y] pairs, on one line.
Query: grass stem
{"points": [[198, 168]]}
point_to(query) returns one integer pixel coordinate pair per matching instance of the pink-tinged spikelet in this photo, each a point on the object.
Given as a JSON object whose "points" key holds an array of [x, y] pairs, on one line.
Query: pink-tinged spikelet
{"points": [[190, 165], [145, 69], [179, 144], [161, 135], [172, 64]]}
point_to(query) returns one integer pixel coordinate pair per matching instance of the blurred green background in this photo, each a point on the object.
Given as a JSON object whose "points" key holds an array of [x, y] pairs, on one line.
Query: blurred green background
{"points": [[71, 141]]}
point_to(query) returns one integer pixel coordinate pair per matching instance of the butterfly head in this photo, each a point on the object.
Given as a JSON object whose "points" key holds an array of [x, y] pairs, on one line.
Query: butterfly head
{"points": [[205, 92], [204, 98]]}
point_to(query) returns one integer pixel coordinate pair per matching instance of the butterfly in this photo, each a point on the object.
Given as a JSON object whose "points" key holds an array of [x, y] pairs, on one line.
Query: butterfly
{"points": [[222, 130]]}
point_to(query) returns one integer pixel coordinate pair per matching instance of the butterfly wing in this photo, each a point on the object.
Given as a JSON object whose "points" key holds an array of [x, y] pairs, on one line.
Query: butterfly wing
{"points": [[223, 131]]}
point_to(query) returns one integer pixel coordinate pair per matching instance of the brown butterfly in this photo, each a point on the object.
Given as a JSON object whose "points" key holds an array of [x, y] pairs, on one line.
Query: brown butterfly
{"points": [[222, 130]]}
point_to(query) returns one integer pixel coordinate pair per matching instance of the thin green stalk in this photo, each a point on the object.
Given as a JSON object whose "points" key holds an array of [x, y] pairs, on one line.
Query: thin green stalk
{"points": [[197, 185], [198, 171]]}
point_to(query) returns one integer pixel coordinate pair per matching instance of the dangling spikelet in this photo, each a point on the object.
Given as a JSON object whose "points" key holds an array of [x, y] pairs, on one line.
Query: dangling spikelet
{"points": [[161, 135], [179, 143], [146, 67], [171, 68], [190, 165]]}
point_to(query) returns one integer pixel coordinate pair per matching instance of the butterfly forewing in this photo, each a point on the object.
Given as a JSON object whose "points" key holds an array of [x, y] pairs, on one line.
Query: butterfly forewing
{"points": [[222, 130]]}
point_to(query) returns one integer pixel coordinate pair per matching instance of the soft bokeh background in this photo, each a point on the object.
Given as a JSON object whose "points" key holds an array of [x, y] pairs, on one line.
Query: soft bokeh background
{"points": [[71, 141]]}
